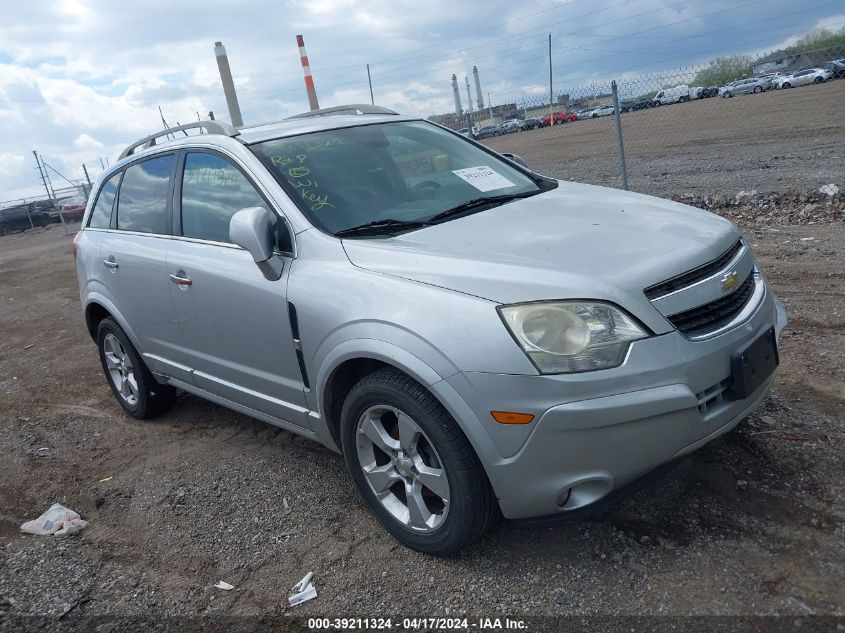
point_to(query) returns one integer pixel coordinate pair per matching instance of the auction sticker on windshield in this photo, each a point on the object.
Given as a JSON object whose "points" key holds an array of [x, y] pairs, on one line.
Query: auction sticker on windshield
{"points": [[483, 178]]}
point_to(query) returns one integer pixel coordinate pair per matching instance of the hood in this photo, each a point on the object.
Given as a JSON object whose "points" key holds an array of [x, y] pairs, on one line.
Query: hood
{"points": [[575, 241]]}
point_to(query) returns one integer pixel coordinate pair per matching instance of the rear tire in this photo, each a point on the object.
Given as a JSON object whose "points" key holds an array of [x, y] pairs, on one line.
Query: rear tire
{"points": [[758, 90], [818, 80], [786, 85], [398, 440], [132, 384]]}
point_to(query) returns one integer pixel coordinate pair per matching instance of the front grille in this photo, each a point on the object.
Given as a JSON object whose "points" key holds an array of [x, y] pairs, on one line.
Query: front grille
{"points": [[693, 276], [711, 316]]}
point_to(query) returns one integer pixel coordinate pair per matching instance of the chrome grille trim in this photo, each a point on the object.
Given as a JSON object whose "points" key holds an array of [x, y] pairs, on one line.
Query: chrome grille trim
{"points": [[695, 275]]}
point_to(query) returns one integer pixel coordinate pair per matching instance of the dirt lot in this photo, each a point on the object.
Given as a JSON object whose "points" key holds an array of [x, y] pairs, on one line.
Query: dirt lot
{"points": [[751, 524], [780, 140]]}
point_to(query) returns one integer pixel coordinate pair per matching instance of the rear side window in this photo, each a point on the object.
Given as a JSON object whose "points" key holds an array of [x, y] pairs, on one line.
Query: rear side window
{"points": [[142, 201], [101, 215], [213, 190]]}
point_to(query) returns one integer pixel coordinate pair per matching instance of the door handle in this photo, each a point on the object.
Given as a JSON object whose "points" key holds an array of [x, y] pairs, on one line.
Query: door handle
{"points": [[180, 280], [110, 263]]}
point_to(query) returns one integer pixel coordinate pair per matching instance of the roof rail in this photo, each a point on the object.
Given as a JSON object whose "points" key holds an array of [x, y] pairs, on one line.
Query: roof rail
{"points": [[354, 108], [211, 127]]}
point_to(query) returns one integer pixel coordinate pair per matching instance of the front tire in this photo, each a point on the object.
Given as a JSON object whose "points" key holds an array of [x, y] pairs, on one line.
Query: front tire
{"points": [[757, 90], [132, 384], [413, 465]]}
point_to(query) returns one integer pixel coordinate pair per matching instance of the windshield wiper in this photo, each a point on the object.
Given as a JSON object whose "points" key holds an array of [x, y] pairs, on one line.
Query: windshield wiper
{"points": [[477, 203], [381, 227]]}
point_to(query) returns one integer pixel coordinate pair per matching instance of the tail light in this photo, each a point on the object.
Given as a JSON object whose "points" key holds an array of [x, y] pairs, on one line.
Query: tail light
{"points": [[76, 239]]}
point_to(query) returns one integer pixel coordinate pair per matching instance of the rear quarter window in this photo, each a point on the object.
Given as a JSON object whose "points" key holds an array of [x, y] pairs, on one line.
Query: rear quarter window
{"points": [[142, 200], [101, 214]]}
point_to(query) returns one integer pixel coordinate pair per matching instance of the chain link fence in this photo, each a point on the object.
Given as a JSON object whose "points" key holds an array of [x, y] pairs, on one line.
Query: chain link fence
{"points": [[739, 124], [62, 205]]}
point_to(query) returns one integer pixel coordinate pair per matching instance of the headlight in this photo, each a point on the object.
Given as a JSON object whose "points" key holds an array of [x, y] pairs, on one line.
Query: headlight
{"points": [[571, 336]]}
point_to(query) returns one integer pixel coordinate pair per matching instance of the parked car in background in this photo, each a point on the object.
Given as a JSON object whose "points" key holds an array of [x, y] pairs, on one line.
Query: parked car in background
{"points": [[531, 123], [640, 103], [510, 126], [487, 131], [584, 114], [754, 85], [474, 338], [13, 219], [709, 91], [464, 131], [678, 94], [769, 80], [806, 77], [837, 68], [560, 118], [602, 110], [72, 209]]}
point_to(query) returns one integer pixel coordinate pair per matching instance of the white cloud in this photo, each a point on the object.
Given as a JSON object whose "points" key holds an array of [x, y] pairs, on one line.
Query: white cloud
{"points": [[10, 164], [79, 80]]}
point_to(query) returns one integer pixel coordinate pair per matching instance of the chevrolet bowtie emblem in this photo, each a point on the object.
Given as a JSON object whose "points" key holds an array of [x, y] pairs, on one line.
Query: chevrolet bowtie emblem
{"points": [[730, 280]]}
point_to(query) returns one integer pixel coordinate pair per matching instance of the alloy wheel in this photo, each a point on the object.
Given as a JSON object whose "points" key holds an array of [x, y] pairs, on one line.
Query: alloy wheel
{"points": [[402, 468], [121, 371]]}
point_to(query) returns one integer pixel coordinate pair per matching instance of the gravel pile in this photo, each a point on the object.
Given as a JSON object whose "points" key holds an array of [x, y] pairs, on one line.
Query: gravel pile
{"points": [[752, 208]]}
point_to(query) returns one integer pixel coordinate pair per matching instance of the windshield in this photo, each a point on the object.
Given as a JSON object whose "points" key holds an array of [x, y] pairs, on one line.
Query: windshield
{"points": [[407, 171]]}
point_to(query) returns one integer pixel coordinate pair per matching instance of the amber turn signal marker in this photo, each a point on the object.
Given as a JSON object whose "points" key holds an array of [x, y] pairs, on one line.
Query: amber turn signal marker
{"points": [[509, 417]]}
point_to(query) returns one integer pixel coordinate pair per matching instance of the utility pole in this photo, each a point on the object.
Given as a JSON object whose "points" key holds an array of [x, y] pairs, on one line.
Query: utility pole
{"points": [[490, 107], [46, 188], [87, 178], [370, 81], [551, 92], [41, 171]]}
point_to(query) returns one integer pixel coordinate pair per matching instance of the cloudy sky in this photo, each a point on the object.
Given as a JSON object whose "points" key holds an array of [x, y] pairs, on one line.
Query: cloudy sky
{"points": [[80, 79]]}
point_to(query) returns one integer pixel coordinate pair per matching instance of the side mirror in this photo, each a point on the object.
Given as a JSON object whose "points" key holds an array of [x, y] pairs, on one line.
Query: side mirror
{"points": [[517, 159], [252, 230]]}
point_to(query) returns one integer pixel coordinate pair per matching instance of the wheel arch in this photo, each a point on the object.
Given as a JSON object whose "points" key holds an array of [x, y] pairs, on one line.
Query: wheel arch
{"points": [[354, 359], [350, 361], [97, 307]]}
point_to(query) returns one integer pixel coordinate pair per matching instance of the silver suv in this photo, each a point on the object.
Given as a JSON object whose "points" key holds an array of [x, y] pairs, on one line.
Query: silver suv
{"points": [[475, 338]]}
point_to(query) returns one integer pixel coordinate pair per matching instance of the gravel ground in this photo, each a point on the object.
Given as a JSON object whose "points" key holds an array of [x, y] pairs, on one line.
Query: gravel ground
{"points": [[779, 141], [751, 524]]}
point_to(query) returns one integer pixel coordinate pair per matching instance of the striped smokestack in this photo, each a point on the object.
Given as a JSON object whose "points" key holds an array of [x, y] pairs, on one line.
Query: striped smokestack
{"points": [[309, 80]]}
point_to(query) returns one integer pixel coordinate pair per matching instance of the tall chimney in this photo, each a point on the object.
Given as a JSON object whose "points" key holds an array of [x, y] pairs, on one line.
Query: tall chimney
{"points": [[309, 80], [469, 95], [478, 88], [228, 84], [458, 109]]}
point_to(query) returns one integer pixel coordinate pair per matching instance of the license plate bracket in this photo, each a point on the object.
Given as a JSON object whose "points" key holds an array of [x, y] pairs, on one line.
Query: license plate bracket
{"points": [[752, 365]]}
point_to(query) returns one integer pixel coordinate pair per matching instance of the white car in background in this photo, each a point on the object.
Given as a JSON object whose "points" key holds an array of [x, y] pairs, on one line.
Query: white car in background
{"points": [[602, 110], [805, 77]]}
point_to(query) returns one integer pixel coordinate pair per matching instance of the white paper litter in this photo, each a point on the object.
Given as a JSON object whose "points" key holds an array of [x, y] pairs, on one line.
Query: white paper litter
{"points": [[303, 591], [58, 520], [829, 190], [225, 586]]}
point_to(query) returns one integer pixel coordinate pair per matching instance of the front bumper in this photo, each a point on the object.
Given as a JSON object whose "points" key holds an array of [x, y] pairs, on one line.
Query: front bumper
{"points": [[597, 431]]}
